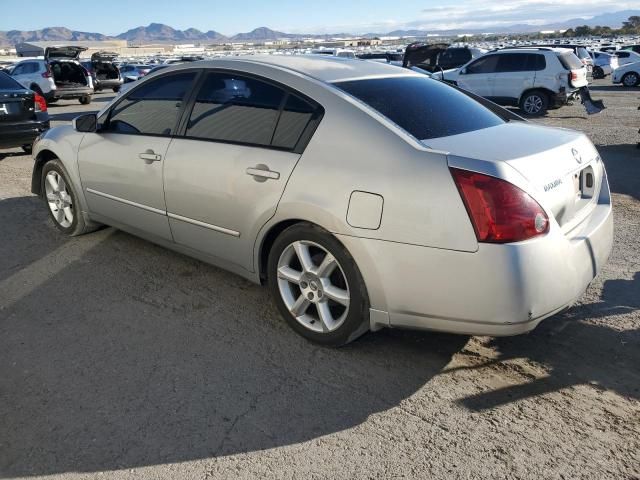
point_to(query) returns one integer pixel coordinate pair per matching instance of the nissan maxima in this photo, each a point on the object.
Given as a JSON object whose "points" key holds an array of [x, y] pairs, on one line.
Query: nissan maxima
{"points": [[364, 195]]}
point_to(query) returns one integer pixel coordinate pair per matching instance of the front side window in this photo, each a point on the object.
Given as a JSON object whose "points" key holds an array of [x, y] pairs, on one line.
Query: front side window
{"points": [[486, 64], [153, 108], [423, 107], [521, 62]]}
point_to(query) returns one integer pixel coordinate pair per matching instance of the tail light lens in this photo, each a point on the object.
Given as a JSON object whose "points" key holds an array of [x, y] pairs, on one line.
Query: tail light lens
{"points": [[40, 103], [500, 212], [574, 75], [48, 73]]}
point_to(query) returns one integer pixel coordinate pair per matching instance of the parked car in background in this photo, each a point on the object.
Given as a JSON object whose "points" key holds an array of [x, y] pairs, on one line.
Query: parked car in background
{"points": [[534, 79], [133, 72], [104, 71], [628, 75], [604, 64], [23, 114], [439, 56], [627, 56], [334, 52], [634, 48], [468, 220], [58, 76]]}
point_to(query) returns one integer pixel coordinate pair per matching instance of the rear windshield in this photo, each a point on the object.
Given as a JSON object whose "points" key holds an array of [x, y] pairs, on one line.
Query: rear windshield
{"points": [[424, 107], [570, 61], [8, 83], [582, 52]]}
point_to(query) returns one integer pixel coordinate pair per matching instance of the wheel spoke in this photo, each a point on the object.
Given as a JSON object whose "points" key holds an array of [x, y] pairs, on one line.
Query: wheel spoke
{"points": [[62, 186], [327, 266], [52, 182], [290, 274], [68, 214], [59, 216], [302, 251], [338, 295], [300, 307], [51, 197], [325, 316]]}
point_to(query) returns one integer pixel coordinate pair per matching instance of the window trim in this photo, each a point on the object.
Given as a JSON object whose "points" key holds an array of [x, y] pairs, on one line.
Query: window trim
{"points": [[307, 133], [107, 114]]}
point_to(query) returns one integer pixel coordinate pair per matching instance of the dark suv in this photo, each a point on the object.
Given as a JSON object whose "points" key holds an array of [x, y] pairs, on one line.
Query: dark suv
{"points": [[104, 72]]}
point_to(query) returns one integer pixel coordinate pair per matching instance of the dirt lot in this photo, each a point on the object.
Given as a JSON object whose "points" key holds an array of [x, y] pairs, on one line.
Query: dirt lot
{"points": [[122, 359]]}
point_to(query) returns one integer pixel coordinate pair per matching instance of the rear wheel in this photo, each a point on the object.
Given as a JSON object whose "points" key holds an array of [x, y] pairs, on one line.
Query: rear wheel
{"points": [[598, 73], [86, 100], [631, 79], [534, 103], [317, 286], [116, 89], [26, 149], [62, 200]]}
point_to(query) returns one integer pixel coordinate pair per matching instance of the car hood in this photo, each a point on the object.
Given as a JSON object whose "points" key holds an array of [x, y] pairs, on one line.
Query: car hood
{"points": [[547, 158]]}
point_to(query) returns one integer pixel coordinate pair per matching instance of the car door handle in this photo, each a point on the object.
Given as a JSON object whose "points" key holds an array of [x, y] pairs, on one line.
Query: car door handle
{"points": [[262, 173], [150, 156]]}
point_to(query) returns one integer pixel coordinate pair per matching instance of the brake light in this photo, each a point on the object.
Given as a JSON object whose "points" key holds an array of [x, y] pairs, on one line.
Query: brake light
{"points": [[47, 73], [40, 103], [499, 211], [574, 75]]}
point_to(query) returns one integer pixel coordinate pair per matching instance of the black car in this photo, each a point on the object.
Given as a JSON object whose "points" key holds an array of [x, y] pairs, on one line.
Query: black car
{"points": [[633, 48], [104, 72], [23, 114]]}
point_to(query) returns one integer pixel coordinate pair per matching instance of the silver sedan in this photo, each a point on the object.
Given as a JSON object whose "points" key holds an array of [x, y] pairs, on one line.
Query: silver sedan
{"points": [[364, 195]]}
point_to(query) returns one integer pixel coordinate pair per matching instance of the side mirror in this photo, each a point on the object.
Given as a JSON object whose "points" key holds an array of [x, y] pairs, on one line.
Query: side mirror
{"points": [[463, 71], [86, 123]]}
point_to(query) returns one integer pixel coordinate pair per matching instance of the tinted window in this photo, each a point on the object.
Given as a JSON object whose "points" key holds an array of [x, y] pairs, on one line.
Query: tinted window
{"points": [[486, 64], [423, 107], [623, 54], [455, 55], [26, 68], [234, 108], [153, 108], [8, 83], [520, 62], [570, 61], [293, 121]]}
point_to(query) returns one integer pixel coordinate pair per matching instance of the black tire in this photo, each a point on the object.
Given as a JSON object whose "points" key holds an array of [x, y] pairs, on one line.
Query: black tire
{"points": [[78, 225], [116, 89], [631, 79], [52, 100], [534, 103], [27, 149], [86, 100], [356, 322], [598, 73]]}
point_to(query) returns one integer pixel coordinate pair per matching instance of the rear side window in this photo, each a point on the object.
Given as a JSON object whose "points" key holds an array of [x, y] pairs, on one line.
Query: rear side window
{"points": [[520, 62], [455, 55], [569, 61], [8, 83], [153, 108], [238, 109], [623, 54], [423, 107], [486, 64]]}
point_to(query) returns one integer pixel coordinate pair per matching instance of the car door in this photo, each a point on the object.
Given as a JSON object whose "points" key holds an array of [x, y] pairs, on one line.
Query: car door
{"points": [[121, 164], [515, 73], [224, 178], [478, 76], [25, 72]]}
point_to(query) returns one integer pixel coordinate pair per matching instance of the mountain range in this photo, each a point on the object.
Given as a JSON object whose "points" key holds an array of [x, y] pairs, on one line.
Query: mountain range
{"points": [[159, 33]]}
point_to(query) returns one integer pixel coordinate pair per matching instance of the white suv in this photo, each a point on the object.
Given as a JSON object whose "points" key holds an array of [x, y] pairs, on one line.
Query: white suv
{"points": [[58, 75], [534, 79]]}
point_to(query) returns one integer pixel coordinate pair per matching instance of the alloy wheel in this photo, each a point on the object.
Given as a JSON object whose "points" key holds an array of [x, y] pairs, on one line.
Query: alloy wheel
{"points": [[533, 104], [313, 286], [630, 80], [58, 198]]}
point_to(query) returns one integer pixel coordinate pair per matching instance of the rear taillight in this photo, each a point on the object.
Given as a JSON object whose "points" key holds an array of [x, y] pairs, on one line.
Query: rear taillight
{"points": [[40, 103], [574, 75], [500, 212], [47, 73]]}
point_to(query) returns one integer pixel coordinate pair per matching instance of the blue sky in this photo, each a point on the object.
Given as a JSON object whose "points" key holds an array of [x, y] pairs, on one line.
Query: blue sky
{"points": [[297, 16]]}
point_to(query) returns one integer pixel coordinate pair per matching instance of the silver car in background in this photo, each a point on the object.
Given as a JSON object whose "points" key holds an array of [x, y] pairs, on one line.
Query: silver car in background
{"points": [[364, 195]]}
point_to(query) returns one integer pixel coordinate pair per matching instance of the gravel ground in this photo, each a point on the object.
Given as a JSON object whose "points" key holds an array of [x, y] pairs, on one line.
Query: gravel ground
{"points": [[124, 360]]}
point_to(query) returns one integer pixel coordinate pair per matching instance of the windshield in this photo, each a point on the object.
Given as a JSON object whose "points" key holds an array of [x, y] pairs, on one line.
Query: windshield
{"points": [[423, 107]]}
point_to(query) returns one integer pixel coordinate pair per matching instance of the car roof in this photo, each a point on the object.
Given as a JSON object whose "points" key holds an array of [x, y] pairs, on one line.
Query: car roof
{"points": [[327, 69]]}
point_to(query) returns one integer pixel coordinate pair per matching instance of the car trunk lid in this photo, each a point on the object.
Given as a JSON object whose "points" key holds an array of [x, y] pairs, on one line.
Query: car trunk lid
{"points": [[16, 105], [103, 57], [63, 52], [562, 166]]}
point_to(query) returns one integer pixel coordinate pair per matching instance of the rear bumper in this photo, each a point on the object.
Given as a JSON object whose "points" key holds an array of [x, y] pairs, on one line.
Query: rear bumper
{"points": [[19, 134], [69, 93], [498, 290], [108, 83]]}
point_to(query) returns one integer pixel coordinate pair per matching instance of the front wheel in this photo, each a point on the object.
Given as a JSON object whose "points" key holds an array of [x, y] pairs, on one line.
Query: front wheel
{"points": [[62, 201], [534, 103], [317, 286], [598, 73], [116, 89], [86, 100], [631, 79]]}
